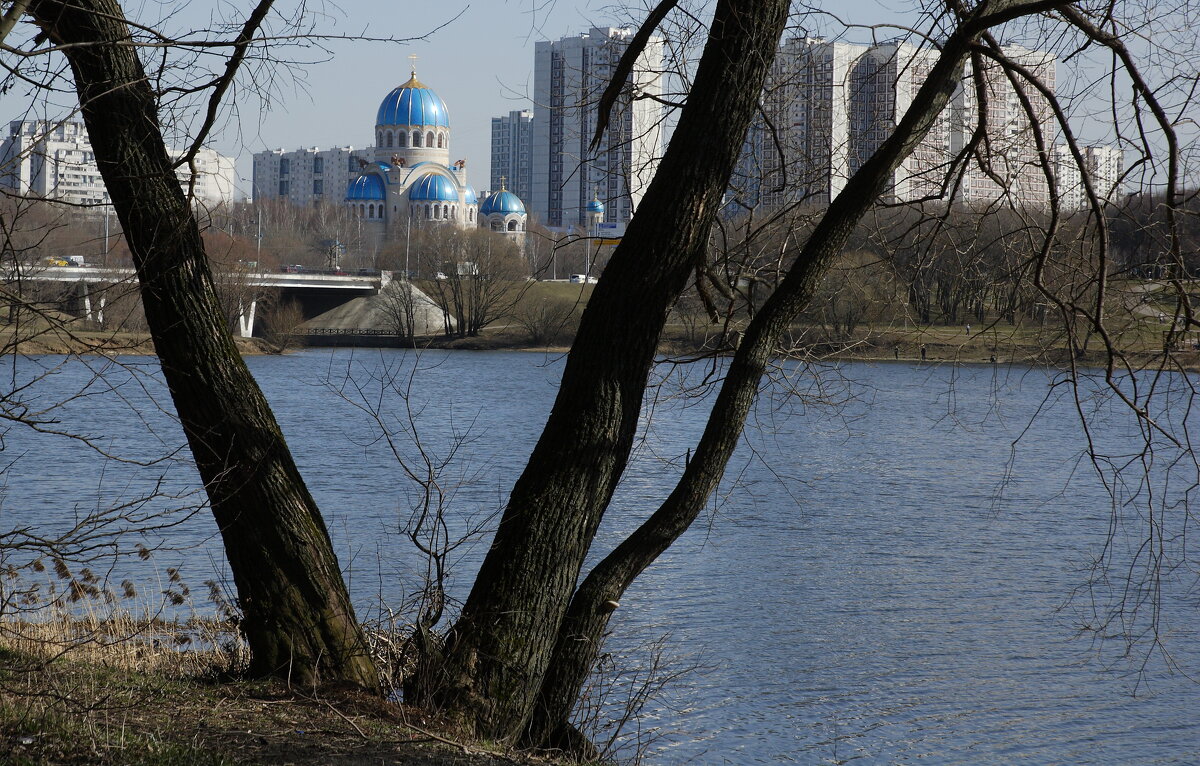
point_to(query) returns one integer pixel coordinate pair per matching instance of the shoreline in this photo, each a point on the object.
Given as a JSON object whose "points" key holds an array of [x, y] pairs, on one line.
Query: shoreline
{"points": [[896, 349]]}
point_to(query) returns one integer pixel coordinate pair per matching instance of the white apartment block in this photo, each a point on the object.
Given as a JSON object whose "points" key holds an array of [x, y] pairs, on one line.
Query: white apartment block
{"points": [[885, 80], [570, 74], [54, 160], [828, 106], [798, 150], [512, 153], [307, 176], [813, 79], [1103, 166], [1013, 174]]}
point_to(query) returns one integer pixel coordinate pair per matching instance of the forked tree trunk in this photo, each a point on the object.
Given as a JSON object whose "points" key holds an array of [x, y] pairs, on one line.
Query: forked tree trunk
{"points": [[587, 618], [516, 637], [498, 651], [297, 614]]}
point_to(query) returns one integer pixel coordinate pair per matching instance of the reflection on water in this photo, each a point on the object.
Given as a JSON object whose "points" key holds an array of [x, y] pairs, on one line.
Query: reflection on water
{"points": [[883, 582]]}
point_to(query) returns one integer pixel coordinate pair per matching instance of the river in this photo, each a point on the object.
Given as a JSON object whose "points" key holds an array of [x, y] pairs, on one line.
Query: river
{"points": [[882, 579]]}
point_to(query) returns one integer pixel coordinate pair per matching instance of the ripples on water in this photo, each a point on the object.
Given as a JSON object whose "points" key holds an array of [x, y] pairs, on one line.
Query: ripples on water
{"points": [[876, 584]]}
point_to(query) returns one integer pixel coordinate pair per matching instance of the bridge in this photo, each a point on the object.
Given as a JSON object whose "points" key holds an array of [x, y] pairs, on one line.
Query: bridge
{"points": [[320, 291]]}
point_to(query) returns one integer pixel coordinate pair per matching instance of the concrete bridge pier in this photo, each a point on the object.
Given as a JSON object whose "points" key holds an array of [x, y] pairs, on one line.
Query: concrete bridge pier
{"points": [[87, 307], [83, 294], [246, 318]]}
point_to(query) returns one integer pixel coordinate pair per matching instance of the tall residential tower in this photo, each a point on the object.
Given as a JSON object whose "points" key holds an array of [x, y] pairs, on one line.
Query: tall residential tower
{"points": [[512, 153], [569, 76]]}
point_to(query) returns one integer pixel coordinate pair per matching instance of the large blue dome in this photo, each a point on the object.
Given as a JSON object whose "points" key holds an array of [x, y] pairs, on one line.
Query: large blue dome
{"points": [[432, 188], [413, 104], [469, 197], [503, 202], [368, 187], [595, 206]]}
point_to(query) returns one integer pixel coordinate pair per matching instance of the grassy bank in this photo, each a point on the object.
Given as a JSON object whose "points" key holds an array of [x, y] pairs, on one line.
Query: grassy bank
{"points": [[101, 707], [546, 314]]}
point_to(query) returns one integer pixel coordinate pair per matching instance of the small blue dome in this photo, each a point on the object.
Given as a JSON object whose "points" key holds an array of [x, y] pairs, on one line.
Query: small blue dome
{"points": [[368, 187], [469, 197], [413, 104], [595, 206], [503, 202], [432, 188]]}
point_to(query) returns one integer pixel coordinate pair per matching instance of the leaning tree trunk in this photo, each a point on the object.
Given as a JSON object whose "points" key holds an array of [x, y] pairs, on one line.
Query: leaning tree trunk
{"points": [[582, 630], [499, 649], [512, 641], [297, 615]]}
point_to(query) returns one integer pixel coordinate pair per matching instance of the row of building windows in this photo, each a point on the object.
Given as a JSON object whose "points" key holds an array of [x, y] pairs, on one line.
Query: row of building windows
{"points": [[400, 139], [432, 212]]}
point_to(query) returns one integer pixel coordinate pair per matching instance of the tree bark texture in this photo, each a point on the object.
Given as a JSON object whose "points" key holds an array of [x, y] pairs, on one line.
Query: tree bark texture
{"points": [[498, 651], [588, 615], [297, 615]]}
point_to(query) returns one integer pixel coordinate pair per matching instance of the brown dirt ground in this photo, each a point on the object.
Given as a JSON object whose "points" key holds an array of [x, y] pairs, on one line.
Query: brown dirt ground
{"points": [[68, 712]]}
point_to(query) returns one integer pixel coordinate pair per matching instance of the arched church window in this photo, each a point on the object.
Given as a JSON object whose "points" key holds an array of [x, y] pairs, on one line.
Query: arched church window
{"points": [[362, 210], [429, 139], [441, 140], [417, 138], [445, 211], [428, 214], [370, 211], [512, 225], [497, 226], [401, 139], [389, 139]]}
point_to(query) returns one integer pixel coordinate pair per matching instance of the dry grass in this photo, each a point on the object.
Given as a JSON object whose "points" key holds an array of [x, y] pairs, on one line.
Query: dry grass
{"points": [[121, 690], [89, 675]]}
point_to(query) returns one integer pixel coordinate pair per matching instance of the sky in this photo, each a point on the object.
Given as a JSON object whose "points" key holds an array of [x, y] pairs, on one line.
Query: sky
{"points": [[478, 56]]}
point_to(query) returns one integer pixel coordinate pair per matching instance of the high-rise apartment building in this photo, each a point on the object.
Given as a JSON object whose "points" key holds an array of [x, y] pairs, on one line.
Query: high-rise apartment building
{"points": [[512, 153], [1012, 169], [307, 176], [569, 76], [1103, 165], [828, 106], [54, 160], [798, 149], [885, 80]]}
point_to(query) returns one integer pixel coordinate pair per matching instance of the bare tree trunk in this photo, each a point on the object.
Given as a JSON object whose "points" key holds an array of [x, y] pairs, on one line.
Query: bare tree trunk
{"points": [[589, 612], [498, 651], [297, 613]]}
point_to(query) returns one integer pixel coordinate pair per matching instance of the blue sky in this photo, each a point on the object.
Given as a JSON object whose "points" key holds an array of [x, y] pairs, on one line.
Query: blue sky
{"points": [[478, 56]]}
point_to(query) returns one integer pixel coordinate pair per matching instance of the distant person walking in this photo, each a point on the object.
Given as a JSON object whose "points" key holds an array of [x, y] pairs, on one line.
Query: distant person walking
{"points": [[968, 328], [922, 352]]}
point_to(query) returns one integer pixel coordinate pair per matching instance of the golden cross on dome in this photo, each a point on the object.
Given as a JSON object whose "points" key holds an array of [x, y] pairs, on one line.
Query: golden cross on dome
{"points": [[412, 62], [502, 180]]}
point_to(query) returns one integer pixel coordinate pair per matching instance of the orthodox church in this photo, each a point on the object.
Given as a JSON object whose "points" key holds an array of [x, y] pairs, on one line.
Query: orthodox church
{"points": [[411, 176]]}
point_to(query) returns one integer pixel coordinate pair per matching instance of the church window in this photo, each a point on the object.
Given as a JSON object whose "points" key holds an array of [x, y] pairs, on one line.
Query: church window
{"points": [[497, 226], [441, 140], [429, 139], [445, 211], [389, 139], [417, 138], [428, 214], [401, 139], [512, 225]]}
